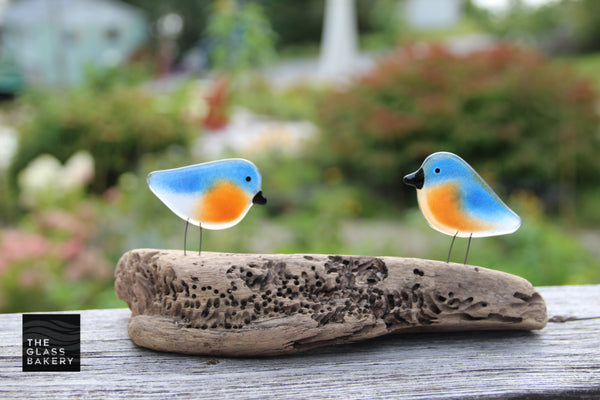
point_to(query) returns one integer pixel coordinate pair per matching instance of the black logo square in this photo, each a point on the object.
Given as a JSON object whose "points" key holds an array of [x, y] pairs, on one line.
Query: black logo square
{"points": [[51, 342]]}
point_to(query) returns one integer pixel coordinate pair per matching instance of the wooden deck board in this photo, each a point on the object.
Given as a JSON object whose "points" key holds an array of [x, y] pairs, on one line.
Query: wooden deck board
{"points": [[563, 360]]}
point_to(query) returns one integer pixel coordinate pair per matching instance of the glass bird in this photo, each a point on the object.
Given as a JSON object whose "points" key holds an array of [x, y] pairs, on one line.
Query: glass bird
{"points": [[212, 195], [456, 201]]}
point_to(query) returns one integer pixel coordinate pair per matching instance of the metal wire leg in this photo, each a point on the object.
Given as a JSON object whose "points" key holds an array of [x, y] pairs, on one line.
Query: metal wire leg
{"points": [[451, 244], [468, 246], [200, 247], [187, 222]]}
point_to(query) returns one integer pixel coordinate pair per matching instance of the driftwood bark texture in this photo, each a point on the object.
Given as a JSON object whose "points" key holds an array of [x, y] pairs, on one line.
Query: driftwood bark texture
{"points": [[261, 305]]}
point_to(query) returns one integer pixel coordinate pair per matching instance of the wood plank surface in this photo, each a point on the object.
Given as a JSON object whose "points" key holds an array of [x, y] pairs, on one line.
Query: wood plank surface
{"points": [[560, 361]]}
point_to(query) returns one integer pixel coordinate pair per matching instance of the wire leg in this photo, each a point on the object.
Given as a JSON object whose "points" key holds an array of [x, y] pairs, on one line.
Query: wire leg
{"points": [[187, 222], [468, 245], [451, 244], [200, 247]]}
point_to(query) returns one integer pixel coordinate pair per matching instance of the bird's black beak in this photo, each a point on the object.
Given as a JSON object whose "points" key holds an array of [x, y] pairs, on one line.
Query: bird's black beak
{"points": [[415, 179], [259, 198]]}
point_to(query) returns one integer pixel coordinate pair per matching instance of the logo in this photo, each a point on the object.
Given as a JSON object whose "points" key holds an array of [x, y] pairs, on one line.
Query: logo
{"points": [[51, 342]]}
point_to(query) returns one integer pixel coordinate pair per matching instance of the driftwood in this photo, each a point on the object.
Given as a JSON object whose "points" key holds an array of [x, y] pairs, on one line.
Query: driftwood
{"points": [[261, 305]]}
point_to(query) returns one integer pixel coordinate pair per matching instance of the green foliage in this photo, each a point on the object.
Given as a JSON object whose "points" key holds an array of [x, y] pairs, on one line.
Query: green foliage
{"points": [[565, 26], [241, 37], [540, 251], [295, 22], [520, 21], [588, 212], [8, 199], [117, 125], [584, 18], [525, 122], [386, 19], [107, 79]]}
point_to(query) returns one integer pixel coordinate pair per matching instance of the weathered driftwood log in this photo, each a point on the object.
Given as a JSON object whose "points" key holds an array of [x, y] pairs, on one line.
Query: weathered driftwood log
{"points": [[259, 305]]}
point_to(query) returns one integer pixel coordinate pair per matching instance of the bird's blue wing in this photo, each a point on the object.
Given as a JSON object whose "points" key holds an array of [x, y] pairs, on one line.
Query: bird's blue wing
{"points": [[185, 180]]}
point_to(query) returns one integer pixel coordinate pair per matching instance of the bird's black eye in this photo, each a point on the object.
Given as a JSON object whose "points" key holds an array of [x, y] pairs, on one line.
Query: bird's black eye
{"points": [[248, 179], [437, 170]]}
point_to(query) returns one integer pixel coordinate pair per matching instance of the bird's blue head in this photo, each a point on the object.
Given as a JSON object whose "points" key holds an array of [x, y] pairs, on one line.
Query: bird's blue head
{"points": [[438, 168], [247, 176]]}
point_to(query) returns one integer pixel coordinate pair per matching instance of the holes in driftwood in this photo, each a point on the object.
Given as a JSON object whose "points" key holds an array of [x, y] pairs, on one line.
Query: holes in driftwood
{"points": [[328, 293]]}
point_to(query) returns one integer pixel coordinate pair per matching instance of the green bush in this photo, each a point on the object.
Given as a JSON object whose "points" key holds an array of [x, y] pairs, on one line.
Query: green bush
{"points": [[241, 36], [117, 126], [524, 121]]}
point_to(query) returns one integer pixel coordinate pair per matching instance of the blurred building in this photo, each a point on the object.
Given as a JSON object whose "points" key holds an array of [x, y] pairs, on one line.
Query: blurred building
{"points": [[52, 42], [432, 14]]}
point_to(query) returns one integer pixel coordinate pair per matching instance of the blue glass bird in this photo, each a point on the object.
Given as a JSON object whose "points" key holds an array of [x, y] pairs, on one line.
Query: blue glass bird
{"points": [[456, 201], [212, 195]]}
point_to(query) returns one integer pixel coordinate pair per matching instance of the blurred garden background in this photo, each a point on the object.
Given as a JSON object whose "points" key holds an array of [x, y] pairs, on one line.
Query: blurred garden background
{"points": [[334, 101]]}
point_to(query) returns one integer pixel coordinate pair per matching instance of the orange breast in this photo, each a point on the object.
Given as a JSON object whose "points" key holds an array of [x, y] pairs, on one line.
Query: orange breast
{"points": [[224, 202], [442, 207]]}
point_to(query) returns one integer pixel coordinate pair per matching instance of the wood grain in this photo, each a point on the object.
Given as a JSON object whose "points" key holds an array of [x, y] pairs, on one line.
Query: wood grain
{"points": [[560, 361], [263, 305]]}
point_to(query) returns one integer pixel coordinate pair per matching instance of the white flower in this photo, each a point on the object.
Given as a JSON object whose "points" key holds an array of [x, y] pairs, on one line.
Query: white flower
{"points": [[40, 173], [45, 180], [40, 176], [77, 172]]}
